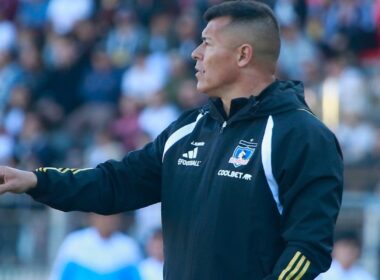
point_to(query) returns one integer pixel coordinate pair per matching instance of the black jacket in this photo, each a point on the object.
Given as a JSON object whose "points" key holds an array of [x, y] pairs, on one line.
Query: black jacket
{"points": [[254, 196]]}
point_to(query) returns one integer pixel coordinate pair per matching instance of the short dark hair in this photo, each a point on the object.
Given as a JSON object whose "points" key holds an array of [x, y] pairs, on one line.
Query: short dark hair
{"points": [[242, 11], [349, 236], [255, 14]]}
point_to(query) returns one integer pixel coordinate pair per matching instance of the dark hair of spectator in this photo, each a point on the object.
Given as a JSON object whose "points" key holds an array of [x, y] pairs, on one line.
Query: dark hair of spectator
{"points": [[348, 236]]}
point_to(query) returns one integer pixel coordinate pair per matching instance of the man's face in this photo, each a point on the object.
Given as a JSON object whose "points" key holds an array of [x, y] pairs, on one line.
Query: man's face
{"points": [[216, 59], [346, 252]]}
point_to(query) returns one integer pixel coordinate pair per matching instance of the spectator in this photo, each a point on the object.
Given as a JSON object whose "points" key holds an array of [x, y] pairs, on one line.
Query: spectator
{"points": [[179, 73], [16, 110], [297, 52], [147, 220], [10, 74], [353, 90], [64, 14], [8, 36], [187, 32], [99, 252], [86, 34], [158, 115], [345, 259], [66, 73], [140, 82], [33, 13], [357, 138], [161, 38], [350, 24], [103, 148], [351, 85], [99, 92], [125, 39], [126, 126], [31, 147], [6, 146], [34, 73], [151, 268], [146, 9]]}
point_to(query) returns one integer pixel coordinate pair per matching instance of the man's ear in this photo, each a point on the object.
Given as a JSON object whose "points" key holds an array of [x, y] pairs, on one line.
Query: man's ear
{"points": [[244, 55]]}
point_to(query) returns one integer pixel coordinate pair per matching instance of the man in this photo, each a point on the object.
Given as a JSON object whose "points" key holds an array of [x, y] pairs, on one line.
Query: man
{"points": [[268, 214]]}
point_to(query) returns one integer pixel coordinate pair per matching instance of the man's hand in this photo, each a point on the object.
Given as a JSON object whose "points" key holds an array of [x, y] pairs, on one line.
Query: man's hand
{"points": [[15, 180]]}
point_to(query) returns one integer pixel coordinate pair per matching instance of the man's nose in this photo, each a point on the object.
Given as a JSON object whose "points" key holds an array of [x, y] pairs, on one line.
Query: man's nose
{"points": [[196, 55]]}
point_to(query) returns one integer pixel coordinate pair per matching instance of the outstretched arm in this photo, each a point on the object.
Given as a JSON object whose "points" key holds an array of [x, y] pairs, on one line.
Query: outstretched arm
{"points": [[111, 187]]}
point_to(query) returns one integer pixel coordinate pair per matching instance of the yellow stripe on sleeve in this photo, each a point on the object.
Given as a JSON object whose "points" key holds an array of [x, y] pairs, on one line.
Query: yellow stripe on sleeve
{"points": [[50, 168], [296, 269], [290, 265], [303, 271], [80, 170], [62, 170]]}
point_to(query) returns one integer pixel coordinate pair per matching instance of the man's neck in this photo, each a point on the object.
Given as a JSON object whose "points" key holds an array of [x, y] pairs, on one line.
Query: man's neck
{"points": [[253, 89]]}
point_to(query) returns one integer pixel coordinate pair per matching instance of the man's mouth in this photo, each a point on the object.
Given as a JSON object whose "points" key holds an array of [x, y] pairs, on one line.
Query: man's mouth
{"points": [[199, 71]]}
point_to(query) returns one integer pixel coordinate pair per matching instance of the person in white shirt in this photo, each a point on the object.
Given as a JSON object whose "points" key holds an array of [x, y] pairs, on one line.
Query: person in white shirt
{"points": [[345, 264], [99, 252]]}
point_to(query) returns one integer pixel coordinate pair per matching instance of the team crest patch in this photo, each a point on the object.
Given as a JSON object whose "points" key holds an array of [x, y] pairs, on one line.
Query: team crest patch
{"points": [[243, 153]]}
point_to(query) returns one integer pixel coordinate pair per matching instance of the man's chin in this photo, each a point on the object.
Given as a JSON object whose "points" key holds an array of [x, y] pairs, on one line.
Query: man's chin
{"points": [[210, 91], [202, 89], [206, 91]]}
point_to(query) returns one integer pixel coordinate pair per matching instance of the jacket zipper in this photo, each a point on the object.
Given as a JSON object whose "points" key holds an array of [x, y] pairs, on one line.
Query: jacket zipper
{"points": [[223, 127], [197, 227], [204, 197]]}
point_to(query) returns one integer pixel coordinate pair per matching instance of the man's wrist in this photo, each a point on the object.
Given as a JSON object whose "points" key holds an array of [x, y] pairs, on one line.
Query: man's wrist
{"points": [[33, 180]]}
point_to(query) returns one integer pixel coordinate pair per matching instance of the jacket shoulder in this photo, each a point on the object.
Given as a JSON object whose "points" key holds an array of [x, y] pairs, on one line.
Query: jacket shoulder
{"points": [[305, 129], [176, 130], [301, 122], [186, 118]]}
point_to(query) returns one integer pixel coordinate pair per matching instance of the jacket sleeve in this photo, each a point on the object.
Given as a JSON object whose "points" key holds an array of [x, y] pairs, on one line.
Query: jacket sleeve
{"points": [[308, 166], [111, 187]]}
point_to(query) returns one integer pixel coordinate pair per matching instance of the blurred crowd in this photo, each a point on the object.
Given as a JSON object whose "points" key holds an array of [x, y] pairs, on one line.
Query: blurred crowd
{"points": [[88, 80], [85, 81]]}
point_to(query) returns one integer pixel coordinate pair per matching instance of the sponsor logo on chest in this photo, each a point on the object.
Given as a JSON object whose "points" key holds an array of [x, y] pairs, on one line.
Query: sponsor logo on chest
{"points": [[235, 174]]}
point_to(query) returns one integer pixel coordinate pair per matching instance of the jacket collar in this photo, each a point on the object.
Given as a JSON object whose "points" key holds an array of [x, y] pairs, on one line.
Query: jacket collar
{"points": [[278, 97]]}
